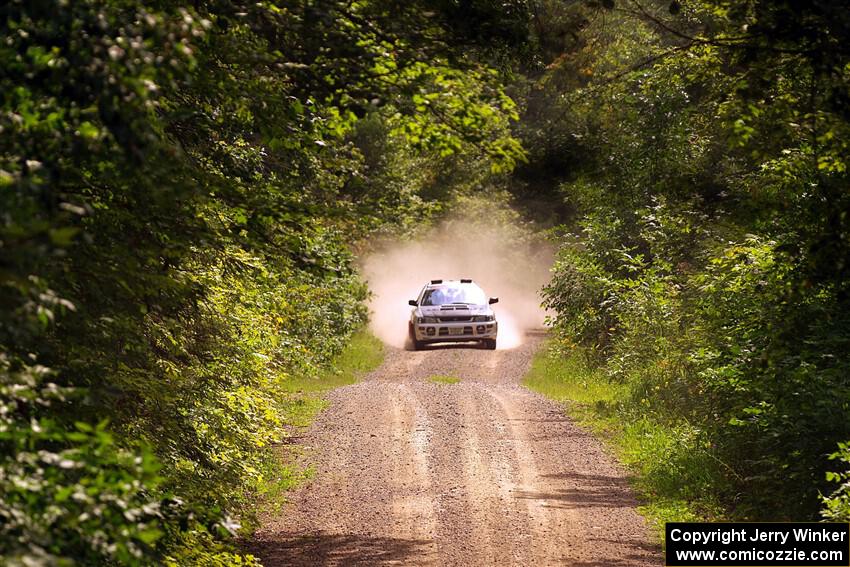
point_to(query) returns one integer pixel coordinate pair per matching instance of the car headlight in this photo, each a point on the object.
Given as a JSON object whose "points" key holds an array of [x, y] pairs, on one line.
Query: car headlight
{"points": [[484, 318], [426, 319]]}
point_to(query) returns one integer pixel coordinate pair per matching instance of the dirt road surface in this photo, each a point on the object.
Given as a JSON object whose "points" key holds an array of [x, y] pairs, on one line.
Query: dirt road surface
{"points": [[480, 472]]}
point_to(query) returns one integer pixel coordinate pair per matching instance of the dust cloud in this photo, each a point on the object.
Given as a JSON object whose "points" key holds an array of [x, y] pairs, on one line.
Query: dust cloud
{"points": [[507, 261]]}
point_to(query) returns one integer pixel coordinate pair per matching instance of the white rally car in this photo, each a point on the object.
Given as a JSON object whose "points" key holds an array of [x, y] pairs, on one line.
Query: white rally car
{"points": [[452, 311]]}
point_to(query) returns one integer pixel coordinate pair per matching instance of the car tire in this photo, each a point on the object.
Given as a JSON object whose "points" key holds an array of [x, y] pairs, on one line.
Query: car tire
{"points": [[490, 344], [411, 343]]}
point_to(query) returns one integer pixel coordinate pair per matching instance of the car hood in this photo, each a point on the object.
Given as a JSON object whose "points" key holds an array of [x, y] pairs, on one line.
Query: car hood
{"points": [[448, 310]]}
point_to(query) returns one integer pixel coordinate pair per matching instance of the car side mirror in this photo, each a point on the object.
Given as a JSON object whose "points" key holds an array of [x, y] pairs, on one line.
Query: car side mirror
{"points": [[494, 300], [412, 302]]}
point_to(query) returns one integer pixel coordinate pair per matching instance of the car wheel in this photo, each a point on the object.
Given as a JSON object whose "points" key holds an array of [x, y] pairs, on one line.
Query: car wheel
{"points": [[490, 344], [412, 343]]}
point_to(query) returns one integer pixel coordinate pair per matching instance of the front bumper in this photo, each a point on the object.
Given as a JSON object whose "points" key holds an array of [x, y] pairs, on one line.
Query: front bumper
{"points": [[455, 331]]}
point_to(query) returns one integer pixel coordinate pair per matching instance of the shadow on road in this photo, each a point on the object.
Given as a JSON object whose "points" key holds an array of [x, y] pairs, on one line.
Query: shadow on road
{"points": [[585, 491], [640, 550], [339, 549]]}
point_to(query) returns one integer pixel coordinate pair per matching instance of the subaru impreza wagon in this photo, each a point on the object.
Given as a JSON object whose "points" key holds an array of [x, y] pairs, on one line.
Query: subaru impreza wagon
{"points": [[452, 311]]}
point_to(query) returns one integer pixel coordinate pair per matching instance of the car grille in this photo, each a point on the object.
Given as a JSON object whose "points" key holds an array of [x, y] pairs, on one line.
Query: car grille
{"points": [[454, 319]]}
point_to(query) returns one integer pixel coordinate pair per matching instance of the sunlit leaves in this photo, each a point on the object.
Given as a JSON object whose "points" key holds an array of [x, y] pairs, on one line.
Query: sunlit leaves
{"points": [[99, 507], [837, 504], [713, 259], [181, 186]]}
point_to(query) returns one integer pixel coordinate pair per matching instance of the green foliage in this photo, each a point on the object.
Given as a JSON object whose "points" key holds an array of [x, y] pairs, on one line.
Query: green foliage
{"points": [[704, 263], [181, 189], [70, 495], [836, 506]]}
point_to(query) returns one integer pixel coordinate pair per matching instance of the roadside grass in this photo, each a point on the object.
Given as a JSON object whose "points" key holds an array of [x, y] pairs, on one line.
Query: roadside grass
{"points": [[673, 472], [283, 473], [364, 353], [444, 379], [305, 399]]}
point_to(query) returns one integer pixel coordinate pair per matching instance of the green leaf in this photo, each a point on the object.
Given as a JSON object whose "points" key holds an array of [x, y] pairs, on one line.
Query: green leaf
{"points": [[88, 131], [63, 236]]}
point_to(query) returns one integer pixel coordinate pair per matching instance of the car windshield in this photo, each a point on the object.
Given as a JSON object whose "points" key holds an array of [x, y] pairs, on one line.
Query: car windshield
{"points": [[470, 294]]}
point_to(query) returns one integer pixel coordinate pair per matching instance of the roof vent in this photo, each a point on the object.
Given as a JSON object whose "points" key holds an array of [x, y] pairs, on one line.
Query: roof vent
{"points": [[436, 281], [465, 281]]}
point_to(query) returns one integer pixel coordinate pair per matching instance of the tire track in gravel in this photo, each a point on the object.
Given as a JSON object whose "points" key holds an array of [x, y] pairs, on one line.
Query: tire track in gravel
{"points": [[482, 472], [412, 483]]}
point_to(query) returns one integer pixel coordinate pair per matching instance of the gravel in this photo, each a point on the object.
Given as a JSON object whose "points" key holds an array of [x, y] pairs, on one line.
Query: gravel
{"points": [[481, 472]]}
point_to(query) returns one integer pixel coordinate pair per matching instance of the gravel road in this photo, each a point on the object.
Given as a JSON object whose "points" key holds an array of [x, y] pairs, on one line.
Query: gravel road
{"points": [[481, 472]]}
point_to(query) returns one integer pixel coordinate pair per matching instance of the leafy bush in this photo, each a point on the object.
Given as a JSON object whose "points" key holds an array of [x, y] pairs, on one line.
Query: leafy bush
{"points": [[707, 264], [181, 189], [70, 496], [836, 506]]}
